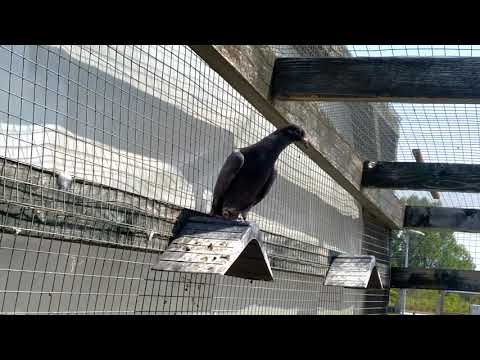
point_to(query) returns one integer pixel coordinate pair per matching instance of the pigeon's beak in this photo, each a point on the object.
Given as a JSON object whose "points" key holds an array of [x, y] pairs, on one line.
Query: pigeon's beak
{"points": [[306, 141]]}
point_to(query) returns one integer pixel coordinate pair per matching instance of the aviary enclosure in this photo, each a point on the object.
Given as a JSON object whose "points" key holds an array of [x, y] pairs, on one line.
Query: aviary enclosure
{"points": [[103, 149]]}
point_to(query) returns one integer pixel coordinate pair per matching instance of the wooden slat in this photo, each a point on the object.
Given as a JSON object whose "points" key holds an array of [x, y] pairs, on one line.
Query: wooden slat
{"points": [[192, 233], [352, 271], [392, 79], [188, 267], [201, 249], [454, 219], [422, 176], [249, 69], [242, 256], [223, 243], [190, 257], [438, 279]]}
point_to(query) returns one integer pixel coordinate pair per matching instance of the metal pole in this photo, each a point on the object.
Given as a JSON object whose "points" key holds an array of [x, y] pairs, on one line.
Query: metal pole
{"points": [[440, 300], [402, 299], [404, 291]]}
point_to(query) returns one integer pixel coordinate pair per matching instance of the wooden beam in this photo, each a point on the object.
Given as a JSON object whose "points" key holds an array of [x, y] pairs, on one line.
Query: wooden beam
{"points": [[437, 279], [421, 176], [249, 69], [419, 158], [453, 219], [392, 79]]}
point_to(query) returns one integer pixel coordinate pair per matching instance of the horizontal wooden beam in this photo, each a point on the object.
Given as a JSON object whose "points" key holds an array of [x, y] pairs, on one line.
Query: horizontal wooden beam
{"points": [[453, 219], [436, 279], [392, 79], [421, 176], [249, 69]]}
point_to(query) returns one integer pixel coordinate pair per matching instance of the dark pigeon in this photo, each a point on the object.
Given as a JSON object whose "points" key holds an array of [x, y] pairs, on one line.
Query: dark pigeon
{"points": [[249, 173]]}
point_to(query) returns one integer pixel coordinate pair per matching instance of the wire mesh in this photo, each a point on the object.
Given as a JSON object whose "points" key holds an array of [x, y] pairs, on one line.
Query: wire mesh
{"points": [[371, 128], [142, 132], [445, 133]]}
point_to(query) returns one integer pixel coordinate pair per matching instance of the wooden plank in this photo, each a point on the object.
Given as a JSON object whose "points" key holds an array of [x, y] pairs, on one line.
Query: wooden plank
{"points": [[216, 243], [242, 257], [422, 176], [201, 249], [419, 158], [438, 279], [192, 233], [353, 272], [249, 69], [188, 267], [392, 79], [193, 258], [453, 219]]}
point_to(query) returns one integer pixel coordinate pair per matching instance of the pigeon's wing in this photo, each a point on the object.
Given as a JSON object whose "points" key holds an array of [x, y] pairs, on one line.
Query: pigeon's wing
{"points": [[266, 188], [230, 169]]}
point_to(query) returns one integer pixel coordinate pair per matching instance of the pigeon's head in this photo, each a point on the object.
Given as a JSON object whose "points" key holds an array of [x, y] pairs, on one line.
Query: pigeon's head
{"points": [[295, 133]]}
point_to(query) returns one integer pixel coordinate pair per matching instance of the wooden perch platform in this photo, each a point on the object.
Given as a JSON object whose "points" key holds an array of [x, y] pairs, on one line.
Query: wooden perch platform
{"points": [[390, 79], [421, 176], [453, 219], [437, 279], [354, 272], [210, 245]]}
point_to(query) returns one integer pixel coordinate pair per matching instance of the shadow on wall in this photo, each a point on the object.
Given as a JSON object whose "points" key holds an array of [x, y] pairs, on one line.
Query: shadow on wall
{"points": [[113, 114]]}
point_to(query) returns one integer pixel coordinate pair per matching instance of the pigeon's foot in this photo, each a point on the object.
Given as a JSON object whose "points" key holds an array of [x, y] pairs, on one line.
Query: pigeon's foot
{"points": [[230, 214], [222, 217]]}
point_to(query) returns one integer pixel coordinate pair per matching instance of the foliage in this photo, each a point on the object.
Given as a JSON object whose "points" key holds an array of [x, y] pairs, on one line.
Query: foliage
{"points": [[423, 300], [434, 249]]}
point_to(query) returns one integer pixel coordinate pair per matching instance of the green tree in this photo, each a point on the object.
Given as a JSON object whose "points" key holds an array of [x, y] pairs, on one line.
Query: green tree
{"points": [[435, 249]]}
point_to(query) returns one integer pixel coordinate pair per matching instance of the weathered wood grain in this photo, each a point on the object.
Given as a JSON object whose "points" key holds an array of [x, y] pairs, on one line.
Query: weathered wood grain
{"points": [[353, 272], [249, 70], [445, 218], [422, 176], [242, 256], [392, 79], [204, 248], [438, 279]]}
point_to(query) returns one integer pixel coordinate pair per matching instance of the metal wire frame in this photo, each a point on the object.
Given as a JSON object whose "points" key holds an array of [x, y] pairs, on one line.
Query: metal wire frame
{"points": [[143, 130]]}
